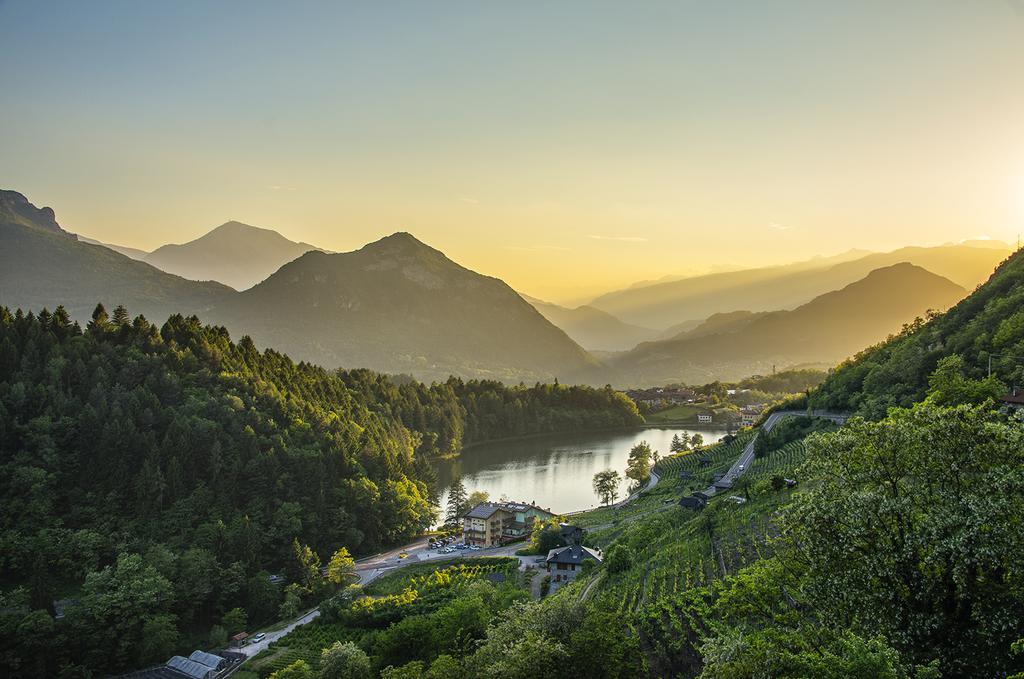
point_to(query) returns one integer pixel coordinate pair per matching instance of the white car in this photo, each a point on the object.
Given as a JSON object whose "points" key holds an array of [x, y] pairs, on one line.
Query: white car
{"points": [[474, 547], [259, 637], [742, 467]]}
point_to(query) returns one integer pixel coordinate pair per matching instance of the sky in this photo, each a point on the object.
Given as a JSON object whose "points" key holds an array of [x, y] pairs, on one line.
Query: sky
{"points": [[569, 148]]}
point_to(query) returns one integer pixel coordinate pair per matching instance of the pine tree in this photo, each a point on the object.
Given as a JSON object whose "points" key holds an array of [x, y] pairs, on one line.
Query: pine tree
{"points": [[456, 503], [100, 321], [121, 316]]}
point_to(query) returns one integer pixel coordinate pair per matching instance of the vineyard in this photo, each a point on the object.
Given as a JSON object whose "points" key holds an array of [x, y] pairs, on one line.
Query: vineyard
{"points": [[781, 462], [678, 553]]}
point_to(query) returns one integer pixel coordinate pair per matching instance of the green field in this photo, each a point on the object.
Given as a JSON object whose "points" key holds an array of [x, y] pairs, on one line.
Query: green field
{"points": [[685, 413]]}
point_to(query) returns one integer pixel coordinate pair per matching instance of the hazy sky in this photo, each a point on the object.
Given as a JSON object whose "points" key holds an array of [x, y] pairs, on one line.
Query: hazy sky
{"points": [[565, 147]]}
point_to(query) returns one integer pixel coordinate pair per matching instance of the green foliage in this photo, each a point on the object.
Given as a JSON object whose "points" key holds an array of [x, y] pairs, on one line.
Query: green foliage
{"points": [[235, 621], [638, 466], [948, 385], [619, 558], [342, 567], [344, 660], [606, 485], [297, 670], [913, 531]]}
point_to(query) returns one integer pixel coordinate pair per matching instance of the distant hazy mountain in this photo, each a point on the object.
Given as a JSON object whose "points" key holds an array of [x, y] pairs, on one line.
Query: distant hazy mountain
{"points": [[134, 253], [41, 264], [591, 328], [788, 286], [235, 254], [397, 305], [826, 330]]}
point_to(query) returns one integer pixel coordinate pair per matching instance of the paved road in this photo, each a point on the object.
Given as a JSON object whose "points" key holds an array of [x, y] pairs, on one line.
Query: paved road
{"points": [[651, 483], [746, 458], [253, 649], [374, 567]]}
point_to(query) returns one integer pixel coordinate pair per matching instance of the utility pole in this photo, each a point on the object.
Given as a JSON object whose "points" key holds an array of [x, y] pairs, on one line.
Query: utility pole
{"points": [[1019, 358]]}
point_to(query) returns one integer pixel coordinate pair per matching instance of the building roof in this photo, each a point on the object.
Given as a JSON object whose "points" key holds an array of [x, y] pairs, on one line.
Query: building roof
{"points": [[484, 510], [190, 668], [693, 502], [208, 659], [573, 554], [1015, 397]]}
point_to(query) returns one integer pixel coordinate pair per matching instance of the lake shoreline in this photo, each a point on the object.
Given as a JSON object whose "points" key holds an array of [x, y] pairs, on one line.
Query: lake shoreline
{"points": [[602, 430]]}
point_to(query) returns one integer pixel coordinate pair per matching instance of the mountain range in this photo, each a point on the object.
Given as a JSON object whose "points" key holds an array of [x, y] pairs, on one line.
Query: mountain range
{"points": [[235, 254], [396, 305], [826, 330], [790, 285], [42, 265], [399, 306], [591, 328]]}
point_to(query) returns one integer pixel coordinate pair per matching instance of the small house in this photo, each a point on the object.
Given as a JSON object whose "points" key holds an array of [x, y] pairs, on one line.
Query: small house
{"points": [[238, 640], [564, 563], [704, 418], [693, 502], [1015, 399]]}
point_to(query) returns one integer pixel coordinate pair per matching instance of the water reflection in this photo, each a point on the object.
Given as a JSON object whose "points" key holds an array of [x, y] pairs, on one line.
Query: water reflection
{"points": [[554, 471]]}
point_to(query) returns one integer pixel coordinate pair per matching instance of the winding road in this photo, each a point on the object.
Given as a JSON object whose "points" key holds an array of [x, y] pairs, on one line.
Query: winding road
{"points": [[743, 462]]}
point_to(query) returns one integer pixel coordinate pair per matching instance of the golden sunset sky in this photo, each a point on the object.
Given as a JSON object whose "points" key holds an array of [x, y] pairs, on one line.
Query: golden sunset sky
{"points": [[568, 148]]}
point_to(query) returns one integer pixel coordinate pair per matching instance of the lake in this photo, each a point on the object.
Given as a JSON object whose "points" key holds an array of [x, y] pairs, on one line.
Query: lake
{"points": [[554, 471]]}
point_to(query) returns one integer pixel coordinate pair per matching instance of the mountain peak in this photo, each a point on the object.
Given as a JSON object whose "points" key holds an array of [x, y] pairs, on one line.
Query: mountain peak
{"points": [[400, 243], [15, 207]]}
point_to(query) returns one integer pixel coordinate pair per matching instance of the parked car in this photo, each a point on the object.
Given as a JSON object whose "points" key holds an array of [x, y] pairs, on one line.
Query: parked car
{"points": [[403, 555], [258, 638], [474, 547]]}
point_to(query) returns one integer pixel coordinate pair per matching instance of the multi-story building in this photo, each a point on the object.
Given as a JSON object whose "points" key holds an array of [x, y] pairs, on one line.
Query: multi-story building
{"points": [[491, 523], [484, 525]]}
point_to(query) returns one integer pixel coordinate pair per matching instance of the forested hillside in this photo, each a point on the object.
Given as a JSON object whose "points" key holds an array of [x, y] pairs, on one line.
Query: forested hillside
{"points": [[155, 476], [989, 324]]}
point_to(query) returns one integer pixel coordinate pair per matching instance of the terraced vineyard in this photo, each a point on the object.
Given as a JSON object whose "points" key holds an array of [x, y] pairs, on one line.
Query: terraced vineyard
{"points": [[783, 461], [304, 643]]}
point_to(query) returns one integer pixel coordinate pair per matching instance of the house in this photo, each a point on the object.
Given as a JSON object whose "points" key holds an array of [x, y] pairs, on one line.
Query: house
{"points": [[238, 640], [694, 502], [485, 524], [704, 418], [209, 659], [1015, 399], [524, 516], [748, 419], [564, 563]]}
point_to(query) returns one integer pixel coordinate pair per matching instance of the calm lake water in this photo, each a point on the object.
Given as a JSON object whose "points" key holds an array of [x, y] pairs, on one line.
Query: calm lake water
{"points": [[554, 471]]}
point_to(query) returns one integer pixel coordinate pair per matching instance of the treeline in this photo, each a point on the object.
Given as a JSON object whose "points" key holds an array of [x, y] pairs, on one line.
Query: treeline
{"points": [[986, 326], [156, 476], [455, 413]]}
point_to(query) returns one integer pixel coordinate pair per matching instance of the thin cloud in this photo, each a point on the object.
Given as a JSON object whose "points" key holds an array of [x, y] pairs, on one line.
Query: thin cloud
{"points": [[471, 201], [280, 187], [779, 227], [621, 239], [536, 248]]}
